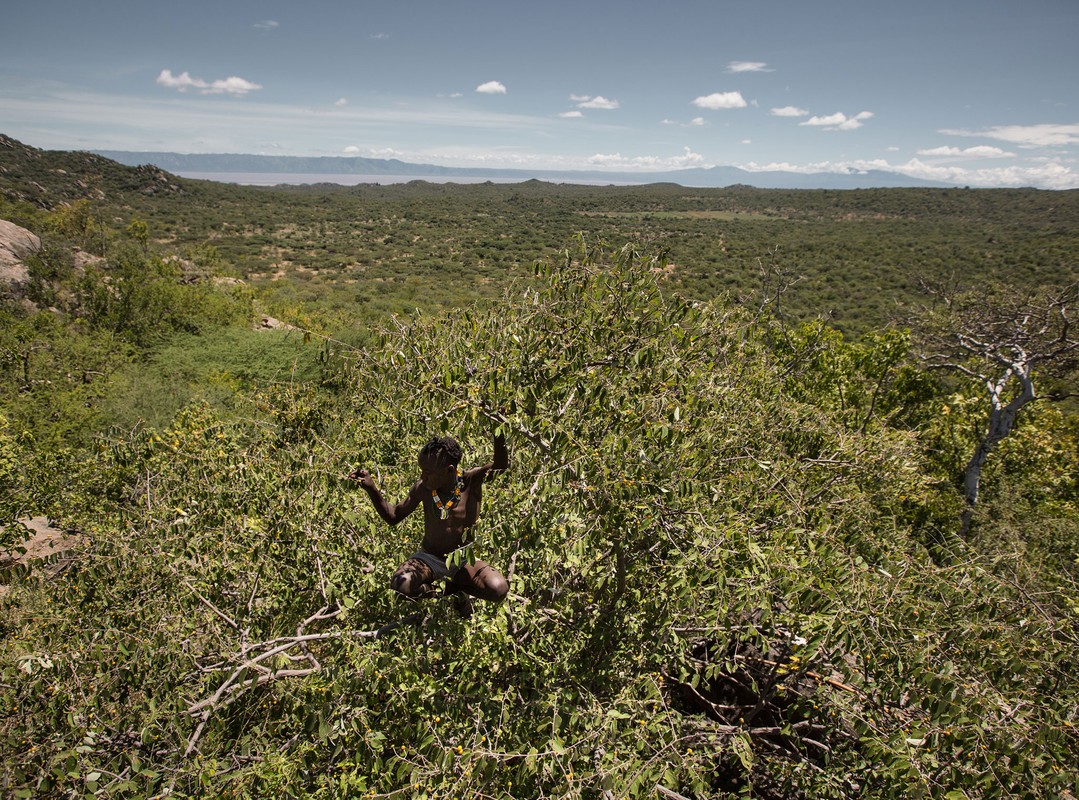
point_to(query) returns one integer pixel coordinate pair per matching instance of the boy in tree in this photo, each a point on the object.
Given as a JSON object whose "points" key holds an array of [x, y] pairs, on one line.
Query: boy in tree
{"points": [[451, 506]]}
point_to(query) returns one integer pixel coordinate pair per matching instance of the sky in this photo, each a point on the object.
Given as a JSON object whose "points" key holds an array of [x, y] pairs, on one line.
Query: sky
{"points": [[982, 93]]}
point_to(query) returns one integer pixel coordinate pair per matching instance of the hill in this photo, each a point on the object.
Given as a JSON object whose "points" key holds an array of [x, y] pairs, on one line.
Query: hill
{"points": [[46, 178], [731, 547], [335, 168]]}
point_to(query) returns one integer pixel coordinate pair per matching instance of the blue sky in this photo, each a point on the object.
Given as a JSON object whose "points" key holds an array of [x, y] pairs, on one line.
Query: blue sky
{"points": [[976, 92]]}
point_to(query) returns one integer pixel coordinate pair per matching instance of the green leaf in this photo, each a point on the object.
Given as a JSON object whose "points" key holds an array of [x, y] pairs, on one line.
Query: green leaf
{"points": [[743, 748]]}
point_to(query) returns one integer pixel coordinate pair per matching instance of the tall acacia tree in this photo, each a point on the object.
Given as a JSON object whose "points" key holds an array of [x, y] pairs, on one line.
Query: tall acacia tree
{"points": [[1003, 340]]}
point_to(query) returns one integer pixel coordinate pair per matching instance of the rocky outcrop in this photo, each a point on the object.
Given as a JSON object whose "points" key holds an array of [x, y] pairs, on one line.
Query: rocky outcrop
{"points": [[16, 245]]}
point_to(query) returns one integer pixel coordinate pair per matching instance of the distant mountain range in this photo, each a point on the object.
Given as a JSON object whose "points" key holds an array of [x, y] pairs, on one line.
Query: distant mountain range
{"points": [[712, 177]]}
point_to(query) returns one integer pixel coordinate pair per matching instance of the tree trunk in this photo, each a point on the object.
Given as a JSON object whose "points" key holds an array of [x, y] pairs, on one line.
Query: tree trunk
{"points": [[1001, 422]]}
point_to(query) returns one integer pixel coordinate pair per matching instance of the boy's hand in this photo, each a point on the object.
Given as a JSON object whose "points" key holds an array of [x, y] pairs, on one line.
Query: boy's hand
{"points": [[362, 477]]}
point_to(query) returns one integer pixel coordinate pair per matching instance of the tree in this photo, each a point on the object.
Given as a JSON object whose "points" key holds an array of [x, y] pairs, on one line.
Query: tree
{"points": [[139, 230], [1002, 339]]}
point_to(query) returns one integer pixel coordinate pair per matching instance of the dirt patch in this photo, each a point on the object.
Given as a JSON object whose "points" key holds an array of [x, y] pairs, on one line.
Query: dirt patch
{"points": [[46, 541]]}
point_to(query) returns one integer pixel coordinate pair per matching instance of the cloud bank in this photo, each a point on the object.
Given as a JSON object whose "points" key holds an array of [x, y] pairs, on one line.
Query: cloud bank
{"points": [[981, 151], [647, 163], [1048, 135], [183, 82]]}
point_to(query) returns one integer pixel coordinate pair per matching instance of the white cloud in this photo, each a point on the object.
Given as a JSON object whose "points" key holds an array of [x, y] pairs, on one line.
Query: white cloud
{"points": [[607, 160], [839, 121], [595, 102], [1047, 175], [371, 152], [342, 102], [719, 100], [184, 81], [491, 87], [812, 168], [571, 115], [788, 111], [834, 119], [981, 151], [1047, 135], [697, 122], [267, 24], [941, 151], [747, 66], [647, 163]]}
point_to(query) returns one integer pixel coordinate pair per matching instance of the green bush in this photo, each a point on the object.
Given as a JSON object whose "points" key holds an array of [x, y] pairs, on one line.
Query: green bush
{"points": [[143, 299], [716, 586]]}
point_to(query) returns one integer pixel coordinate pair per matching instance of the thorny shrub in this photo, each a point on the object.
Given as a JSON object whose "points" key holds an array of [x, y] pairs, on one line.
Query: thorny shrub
{"points": [[717, 586]]}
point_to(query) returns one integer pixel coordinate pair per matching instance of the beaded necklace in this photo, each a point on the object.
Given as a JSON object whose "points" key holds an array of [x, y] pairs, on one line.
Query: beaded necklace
{"points": [[444, 507]]}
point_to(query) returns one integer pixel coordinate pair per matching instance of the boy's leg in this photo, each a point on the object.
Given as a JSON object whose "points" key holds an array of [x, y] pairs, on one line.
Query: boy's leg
{"points": [[413, 579], [481, 580]]}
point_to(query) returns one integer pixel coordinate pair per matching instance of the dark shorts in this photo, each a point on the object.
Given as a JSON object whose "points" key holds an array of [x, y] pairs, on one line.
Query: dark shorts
{"points": [[438, 566]]}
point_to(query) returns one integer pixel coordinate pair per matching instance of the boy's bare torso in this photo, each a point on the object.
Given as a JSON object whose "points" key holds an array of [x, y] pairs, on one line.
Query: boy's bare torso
{"points": [[442, 536]]}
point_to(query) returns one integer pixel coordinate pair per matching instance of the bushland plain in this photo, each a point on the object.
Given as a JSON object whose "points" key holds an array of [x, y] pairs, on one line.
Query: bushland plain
{"points": [[859, 254], [732, 524]]}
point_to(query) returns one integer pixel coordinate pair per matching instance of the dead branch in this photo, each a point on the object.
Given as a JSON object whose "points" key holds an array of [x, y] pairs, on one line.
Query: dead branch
{"points": [[253, 657], [663, 790], [212, 607]]}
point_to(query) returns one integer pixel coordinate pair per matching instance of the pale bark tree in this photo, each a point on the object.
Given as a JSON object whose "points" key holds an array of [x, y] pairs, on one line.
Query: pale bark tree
{"points": [[1003, 340]]}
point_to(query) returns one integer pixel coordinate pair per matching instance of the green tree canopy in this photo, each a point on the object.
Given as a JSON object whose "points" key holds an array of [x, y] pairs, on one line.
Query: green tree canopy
{"points": [[717, 585]]}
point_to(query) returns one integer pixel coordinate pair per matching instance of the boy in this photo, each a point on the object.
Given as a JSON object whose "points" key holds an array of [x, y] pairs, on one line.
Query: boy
{"points": [[451, 506]]}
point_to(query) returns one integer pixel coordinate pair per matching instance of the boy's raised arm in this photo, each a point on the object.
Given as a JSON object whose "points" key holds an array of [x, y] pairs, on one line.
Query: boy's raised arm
{"points": [[391, 514]]}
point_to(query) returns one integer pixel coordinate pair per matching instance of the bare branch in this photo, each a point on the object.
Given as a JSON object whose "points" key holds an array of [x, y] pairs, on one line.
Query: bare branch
{"points": [[238, 682], [212, 607]]}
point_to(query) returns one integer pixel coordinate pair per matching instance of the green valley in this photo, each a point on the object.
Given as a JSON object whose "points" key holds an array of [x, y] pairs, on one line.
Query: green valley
{"points": [[743, 556]]}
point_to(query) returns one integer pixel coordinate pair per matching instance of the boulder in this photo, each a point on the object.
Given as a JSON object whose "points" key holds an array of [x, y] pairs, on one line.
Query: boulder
{"points": [[272, 324], [16, 245]]}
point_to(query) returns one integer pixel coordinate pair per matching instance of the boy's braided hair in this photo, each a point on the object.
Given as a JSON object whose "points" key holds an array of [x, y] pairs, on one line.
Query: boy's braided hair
{"points": [[442, 448]]}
